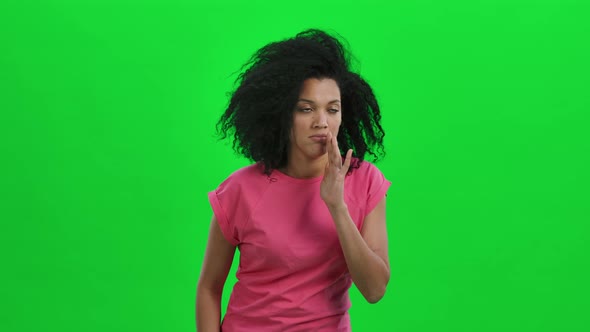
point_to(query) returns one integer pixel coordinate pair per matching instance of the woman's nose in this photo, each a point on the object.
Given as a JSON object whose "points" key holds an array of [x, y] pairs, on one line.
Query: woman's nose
{"points": [[321, 121]]}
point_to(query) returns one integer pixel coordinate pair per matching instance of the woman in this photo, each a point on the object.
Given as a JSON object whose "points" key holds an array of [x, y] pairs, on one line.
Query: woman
{"points": [[307, 221]]}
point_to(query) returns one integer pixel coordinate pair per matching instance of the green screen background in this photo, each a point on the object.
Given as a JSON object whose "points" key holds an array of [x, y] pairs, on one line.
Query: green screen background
{"points": [[107, 124]]}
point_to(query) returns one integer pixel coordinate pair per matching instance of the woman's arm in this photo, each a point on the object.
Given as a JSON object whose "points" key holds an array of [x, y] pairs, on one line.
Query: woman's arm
{"points": [[366, 253], [219, 256]]}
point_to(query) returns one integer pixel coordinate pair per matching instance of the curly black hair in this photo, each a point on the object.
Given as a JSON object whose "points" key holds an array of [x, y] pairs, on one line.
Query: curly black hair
{"points": [[260, 112]]}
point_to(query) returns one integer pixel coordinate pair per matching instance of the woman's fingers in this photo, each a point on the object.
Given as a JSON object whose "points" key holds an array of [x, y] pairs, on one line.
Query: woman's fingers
{"points": [[334, 152], [334, 157], [329, 148], [337, 156], [347, 161]]}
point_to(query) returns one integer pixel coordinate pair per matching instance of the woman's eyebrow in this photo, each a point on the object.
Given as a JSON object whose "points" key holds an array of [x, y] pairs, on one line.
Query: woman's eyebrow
{"points": [[306, 100], [313, 102]]}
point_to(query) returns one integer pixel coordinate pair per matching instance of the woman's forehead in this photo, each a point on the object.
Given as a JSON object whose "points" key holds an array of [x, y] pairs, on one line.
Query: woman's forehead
{"points": [[324, 90]]}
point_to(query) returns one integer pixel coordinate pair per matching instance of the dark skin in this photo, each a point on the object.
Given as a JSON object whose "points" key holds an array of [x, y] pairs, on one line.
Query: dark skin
{"points": [[365, 252]]}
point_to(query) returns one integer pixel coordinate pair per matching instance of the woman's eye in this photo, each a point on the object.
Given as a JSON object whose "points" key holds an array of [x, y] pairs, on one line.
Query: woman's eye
{"points": [[333, 110], [305, 110]]}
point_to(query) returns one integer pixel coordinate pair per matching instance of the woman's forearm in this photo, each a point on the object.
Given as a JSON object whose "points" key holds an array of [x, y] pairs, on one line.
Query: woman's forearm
{"points": [[208, 310], [369, 272]]}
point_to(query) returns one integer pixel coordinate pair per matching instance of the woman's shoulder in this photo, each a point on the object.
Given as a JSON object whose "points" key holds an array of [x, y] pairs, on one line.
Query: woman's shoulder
{"points": [[246, 177], [365, 178], [363, 170], [248, 173]]}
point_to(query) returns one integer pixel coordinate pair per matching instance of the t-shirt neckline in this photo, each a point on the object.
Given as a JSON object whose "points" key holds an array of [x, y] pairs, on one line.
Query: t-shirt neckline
{"points": [[282, 176]]}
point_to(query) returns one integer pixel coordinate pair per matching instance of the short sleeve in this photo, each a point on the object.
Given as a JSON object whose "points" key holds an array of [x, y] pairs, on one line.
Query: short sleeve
{"points": [[232, 202], [377, 187], [223, 202]]}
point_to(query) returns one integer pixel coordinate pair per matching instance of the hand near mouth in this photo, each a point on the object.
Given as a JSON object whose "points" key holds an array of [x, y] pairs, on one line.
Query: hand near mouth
{"points": [[332, 186]]}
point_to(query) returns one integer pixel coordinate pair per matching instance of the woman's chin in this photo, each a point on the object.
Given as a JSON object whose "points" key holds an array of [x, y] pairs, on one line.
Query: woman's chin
{"points": [[318, 154], [320, 151]]}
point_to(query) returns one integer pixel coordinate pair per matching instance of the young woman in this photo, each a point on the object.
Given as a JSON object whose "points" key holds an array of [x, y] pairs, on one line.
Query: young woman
{"points": [[307, 221]]}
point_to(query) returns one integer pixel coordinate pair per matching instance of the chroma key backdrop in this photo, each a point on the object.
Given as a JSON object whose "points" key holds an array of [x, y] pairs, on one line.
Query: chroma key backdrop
{"points": [[107, 128]]}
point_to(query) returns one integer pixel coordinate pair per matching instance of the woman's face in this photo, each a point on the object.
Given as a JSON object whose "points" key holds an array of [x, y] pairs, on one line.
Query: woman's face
{"points": [[317, 112]]}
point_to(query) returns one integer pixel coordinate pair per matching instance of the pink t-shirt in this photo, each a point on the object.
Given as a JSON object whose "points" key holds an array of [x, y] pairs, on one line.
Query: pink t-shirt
{"points": [[292, 274]]}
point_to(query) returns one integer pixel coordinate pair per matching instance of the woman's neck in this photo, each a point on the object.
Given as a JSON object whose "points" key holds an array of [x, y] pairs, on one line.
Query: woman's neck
{"points": [[305, 169]]}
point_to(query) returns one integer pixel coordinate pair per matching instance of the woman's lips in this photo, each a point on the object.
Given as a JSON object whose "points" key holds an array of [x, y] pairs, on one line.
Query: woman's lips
{"points": [[318, 138]]}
